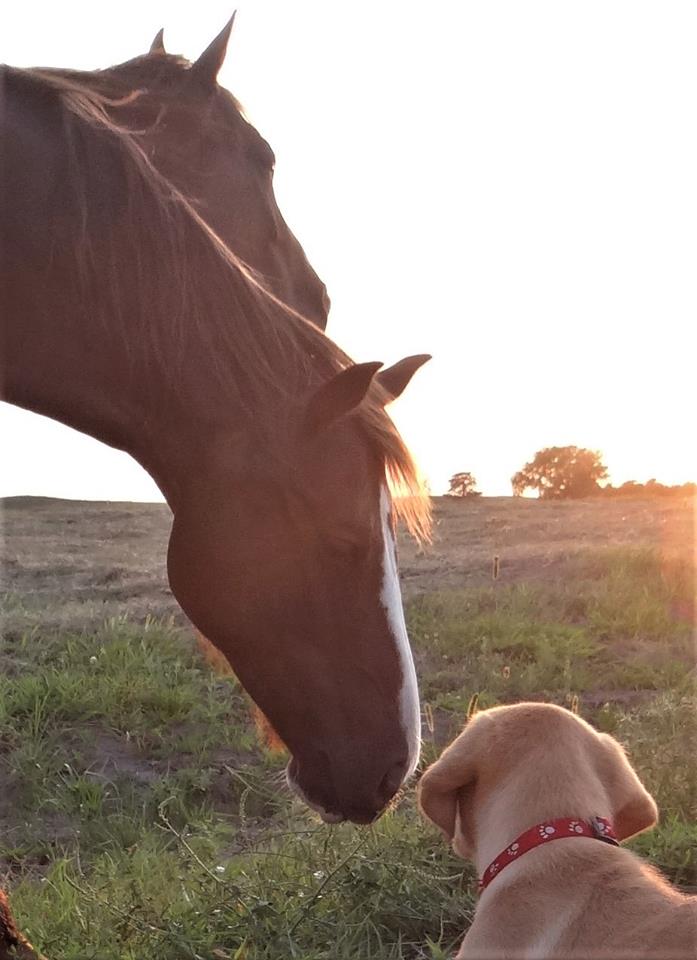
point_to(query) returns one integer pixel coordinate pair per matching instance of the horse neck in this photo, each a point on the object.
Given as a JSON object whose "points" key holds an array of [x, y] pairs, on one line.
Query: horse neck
{"points": [[112, 368], [81, 366], [76, 322], [104, 377], [84, 378]]}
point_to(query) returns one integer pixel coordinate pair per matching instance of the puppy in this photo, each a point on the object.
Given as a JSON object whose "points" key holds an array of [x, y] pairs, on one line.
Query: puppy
{"points": [[528, 792]]}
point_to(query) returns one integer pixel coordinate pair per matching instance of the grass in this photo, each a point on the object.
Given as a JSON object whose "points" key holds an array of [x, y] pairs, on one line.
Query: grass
{"points": [[141, 819]]}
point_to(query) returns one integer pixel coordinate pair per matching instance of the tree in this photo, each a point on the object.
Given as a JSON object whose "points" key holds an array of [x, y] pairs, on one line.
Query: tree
{"points": [[463, 485], [561, 473], [652, 488]]}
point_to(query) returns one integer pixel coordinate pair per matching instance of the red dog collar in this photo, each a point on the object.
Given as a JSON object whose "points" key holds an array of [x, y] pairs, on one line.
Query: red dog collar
{"points": [[597, 827]]}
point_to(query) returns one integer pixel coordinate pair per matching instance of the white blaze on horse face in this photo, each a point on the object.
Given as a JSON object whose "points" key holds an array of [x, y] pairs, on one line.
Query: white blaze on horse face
{"points": [[391, 598]]}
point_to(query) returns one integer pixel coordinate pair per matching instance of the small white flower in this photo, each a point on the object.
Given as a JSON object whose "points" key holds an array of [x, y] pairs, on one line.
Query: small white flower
{"points": [[319, 874], [93, 659], [220, 869]]}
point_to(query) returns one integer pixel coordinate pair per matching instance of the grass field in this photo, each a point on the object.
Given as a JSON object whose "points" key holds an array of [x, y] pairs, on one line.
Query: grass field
{"points": [[140, 818]]}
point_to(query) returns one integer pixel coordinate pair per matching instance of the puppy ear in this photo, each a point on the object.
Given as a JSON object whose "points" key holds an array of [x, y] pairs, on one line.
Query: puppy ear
{"points": [[440, 785], [633, 808]]}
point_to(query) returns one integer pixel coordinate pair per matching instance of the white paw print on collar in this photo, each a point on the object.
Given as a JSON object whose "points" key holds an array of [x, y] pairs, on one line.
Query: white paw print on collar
{"points": [[546, 830]]}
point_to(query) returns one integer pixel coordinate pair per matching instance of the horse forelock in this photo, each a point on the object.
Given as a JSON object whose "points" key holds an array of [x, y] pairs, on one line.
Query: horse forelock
{"points": [[202, 303]]}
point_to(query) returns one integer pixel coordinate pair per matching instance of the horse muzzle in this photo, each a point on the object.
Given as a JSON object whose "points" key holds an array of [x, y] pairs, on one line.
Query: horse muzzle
{"points": [[359, 798]]}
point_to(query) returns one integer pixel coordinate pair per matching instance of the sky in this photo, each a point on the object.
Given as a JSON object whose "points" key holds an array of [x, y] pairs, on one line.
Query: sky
{"points": [[507, 186]]}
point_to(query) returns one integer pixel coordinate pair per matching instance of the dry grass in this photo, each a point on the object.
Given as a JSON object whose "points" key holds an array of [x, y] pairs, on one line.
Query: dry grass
{"points": [[533, 538], [76, 561]]}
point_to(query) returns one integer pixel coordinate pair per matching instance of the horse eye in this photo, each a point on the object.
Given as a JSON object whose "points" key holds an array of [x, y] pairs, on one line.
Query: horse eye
{"points": [[270, 156], [262, 154], [349, 543]]}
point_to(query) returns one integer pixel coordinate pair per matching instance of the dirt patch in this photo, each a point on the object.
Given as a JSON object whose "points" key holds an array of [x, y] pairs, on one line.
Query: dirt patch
{"points": [[115, 757]]}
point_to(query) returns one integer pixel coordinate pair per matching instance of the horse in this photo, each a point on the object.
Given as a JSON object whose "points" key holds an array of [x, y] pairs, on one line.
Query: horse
{"points": [[195, 133], [127, 317]]}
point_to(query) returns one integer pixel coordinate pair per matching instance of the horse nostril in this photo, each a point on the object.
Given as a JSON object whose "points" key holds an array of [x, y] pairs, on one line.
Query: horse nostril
{"points": [[392, 781]]}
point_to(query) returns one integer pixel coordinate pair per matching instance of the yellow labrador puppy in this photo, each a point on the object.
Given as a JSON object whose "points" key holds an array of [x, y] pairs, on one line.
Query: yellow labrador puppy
{"points": [[516, 781]]}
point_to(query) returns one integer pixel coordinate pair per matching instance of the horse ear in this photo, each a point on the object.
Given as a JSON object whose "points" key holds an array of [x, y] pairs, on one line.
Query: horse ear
{"points": [[205, 70], [395, 379], [340, 395], [158, 45]]}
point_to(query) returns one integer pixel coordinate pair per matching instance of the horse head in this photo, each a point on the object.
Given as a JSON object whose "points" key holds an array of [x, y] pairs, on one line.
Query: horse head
{"points": [[195, 133], [289, 566]]}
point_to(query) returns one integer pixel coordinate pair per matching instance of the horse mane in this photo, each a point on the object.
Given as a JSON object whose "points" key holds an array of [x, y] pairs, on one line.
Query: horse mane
{"points": [[145, 72], [184, 284]]}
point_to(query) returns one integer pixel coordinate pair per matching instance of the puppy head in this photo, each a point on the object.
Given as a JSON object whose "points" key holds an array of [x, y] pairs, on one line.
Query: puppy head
{"points": [[540, 749]]}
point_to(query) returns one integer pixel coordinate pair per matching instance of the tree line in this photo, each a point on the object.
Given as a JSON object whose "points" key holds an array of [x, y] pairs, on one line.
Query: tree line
{"points": [[569, 473]]}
